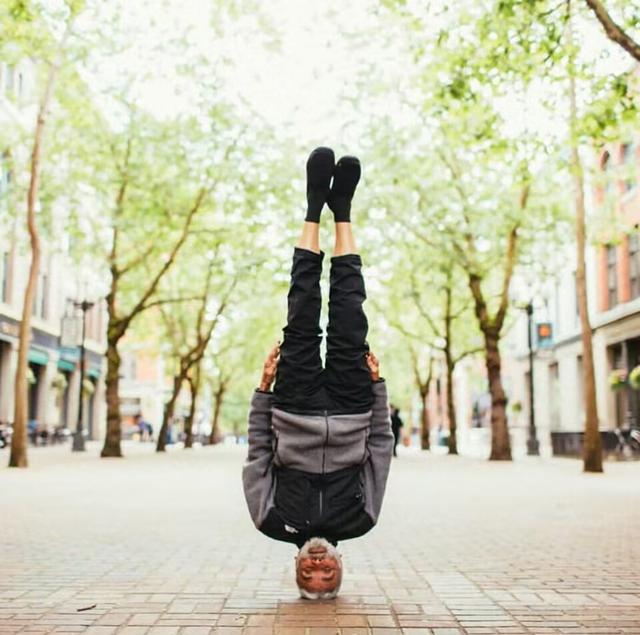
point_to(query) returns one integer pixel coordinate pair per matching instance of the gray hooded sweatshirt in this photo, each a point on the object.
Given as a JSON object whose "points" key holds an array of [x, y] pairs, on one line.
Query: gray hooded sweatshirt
{"points": [[316, 444]]}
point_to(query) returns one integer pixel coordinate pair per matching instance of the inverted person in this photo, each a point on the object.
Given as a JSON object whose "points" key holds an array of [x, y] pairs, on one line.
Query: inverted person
{"points": [[320, 444]]}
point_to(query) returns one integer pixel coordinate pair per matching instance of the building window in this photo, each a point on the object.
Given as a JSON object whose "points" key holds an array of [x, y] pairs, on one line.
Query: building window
{"points": [[12, 80], [40, 301], [554, 396], [612, 276], [5, 174], [605, 166], [44, 308], [629, 166], [130, 367], [580, 389], [9, 79], [634, 265], [4, 289]]}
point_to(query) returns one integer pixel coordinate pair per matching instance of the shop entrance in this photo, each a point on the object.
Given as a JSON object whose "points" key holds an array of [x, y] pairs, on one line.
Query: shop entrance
{"points": [[626, 355]]}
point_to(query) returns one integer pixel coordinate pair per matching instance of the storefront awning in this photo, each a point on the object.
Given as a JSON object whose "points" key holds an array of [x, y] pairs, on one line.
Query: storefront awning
{"points": [[64, 364], [94, 372], [38, 357]]}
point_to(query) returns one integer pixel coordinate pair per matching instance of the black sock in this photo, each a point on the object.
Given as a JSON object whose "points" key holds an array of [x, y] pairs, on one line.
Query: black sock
{"points": [[345, 181], [319, 171]]}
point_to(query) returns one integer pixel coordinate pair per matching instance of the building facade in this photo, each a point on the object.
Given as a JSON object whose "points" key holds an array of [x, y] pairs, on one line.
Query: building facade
{"points": [[613, 286], [54, 370]]}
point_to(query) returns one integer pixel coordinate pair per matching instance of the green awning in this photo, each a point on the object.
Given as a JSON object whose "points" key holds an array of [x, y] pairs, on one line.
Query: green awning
{"points": [[64, 364], [94, 372], [38, 357]]}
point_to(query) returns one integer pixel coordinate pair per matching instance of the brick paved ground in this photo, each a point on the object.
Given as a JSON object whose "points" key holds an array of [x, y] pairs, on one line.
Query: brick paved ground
{"points": [[162, 545]]}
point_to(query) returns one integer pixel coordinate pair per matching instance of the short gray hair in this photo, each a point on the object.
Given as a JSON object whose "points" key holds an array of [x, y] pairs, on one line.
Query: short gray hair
{"points": [[332, 552], [327, 595]]}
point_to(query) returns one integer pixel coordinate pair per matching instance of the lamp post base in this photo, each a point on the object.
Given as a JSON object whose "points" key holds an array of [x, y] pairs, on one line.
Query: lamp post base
{"points": [[533, 447], [78, 442]]}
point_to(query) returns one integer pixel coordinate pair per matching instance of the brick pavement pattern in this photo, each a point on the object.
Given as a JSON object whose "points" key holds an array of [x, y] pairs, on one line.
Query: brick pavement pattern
{"points": [[163, 545]]}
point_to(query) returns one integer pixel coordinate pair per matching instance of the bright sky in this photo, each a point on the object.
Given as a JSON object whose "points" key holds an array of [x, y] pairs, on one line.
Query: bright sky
{"points": [[290, 62], [292, 69]]}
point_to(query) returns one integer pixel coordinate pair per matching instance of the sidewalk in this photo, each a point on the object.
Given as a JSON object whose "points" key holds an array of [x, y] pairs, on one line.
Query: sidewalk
{"points": [[163, 545]]}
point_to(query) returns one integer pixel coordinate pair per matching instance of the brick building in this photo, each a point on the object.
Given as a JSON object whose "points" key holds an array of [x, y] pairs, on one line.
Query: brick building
{"points": [[613, 284], [617, 320]]}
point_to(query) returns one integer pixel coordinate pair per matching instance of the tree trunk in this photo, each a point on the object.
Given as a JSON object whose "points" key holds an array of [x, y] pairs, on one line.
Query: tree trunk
{"points": [[188, 424], [500, 442], [167, 415], [451, 407], [425, 427], [112, 446], [592, 450], [18, 456], [451, 410], [613, 30], [216, 436]]}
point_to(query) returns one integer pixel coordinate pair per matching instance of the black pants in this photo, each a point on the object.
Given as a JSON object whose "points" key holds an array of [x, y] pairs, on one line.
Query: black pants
{"points": [[343, 386]]}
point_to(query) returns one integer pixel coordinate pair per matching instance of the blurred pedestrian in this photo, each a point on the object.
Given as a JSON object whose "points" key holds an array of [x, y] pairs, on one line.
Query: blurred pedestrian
{"points": [[32, 431], [4, 434], [396, 424], [139, 423]]}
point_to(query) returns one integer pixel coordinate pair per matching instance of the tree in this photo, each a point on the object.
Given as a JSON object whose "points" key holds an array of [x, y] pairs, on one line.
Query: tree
{"points": [[613, 30], [424, 388], [486, 179], [34, 37], [451, 341], [436, 320], [130, 177], [191, 345], [592, 449], [193, 379], [476, 197], [220, 387]]}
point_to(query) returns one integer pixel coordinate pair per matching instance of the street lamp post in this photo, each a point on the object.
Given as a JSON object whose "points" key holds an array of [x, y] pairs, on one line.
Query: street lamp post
{"points": [[78, 437], [533, 445]]}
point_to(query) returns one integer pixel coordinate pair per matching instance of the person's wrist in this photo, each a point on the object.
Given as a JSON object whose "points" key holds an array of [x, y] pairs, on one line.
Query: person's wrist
{"points": [[265, 384]]}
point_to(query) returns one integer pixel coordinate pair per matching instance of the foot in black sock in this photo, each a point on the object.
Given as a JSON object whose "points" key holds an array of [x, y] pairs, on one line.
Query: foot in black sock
{"points": [[320, 167], [345, 180]]}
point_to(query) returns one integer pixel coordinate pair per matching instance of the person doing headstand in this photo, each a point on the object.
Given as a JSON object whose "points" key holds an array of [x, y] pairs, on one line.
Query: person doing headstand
{"points": [[320, 444]]}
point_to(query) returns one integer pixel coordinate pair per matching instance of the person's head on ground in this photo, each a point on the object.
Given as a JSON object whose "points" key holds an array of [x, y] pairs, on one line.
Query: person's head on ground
{"points": [[318, 570]]}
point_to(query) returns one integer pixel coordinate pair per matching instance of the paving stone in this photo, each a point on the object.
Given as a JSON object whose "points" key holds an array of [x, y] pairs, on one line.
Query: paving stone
{"points": [[462, 547]]}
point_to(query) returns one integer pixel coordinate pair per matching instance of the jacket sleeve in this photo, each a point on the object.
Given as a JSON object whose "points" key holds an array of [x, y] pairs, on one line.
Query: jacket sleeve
{"points": [[257, 473], [380, 446]]}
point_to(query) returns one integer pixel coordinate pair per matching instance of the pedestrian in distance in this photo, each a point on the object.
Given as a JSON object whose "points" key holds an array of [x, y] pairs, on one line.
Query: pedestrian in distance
{"points": [[141, 424], [32, 431], [5, 434], [396, 425], [320, 444]]}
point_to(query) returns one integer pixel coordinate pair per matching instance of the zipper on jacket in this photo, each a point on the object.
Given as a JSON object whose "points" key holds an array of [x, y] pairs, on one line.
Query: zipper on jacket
{"points": [[324, 452], [326, 440]]}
